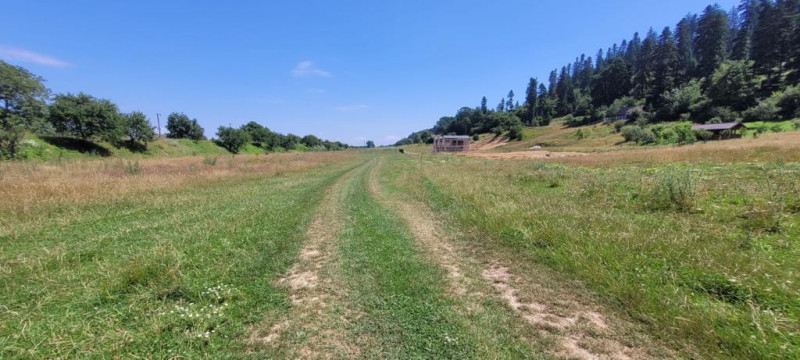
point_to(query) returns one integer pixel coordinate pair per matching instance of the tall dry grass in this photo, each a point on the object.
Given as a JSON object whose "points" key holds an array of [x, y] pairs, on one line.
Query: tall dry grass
{"points": [[769, 148], [26, 187]]}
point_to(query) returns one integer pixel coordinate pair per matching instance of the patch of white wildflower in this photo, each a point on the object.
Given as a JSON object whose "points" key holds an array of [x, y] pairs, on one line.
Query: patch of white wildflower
{"points": [[202, 319]]}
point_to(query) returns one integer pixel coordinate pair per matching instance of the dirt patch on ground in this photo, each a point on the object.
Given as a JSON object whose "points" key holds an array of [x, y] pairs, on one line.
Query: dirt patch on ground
{"points": [[489, 143], [312, 292], [537, 154], [581, 329]]}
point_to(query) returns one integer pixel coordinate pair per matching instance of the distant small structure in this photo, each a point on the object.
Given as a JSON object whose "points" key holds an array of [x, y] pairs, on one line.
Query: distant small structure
{"points": [[730, 130], [623, 113], [450, 143]]}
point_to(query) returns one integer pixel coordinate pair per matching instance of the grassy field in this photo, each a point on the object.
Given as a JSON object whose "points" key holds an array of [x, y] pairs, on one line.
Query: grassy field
{"points": [[686, 252]]}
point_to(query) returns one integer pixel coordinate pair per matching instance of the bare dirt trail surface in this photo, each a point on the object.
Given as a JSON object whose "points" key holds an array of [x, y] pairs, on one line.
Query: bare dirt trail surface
{"points": [[538, 154], [312, 329], [576, 326]]}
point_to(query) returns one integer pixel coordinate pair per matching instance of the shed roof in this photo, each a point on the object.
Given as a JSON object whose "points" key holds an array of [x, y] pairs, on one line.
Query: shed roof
{"points": [[456, 137], [717, 127]]}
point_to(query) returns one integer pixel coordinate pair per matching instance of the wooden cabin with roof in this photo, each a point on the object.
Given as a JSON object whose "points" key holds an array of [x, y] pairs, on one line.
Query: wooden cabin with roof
{"points": [[450, 143], [722, 131]]}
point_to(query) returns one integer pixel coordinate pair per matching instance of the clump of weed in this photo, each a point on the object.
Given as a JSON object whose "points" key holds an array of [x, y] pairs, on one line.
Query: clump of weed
{"points": [[210, 160], [779, 196], [133, 167], [721, 288], [156, 272], [673, 190]]}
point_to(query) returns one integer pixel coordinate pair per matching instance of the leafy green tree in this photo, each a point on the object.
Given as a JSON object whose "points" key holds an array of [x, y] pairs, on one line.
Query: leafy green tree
{"points": [[687, 99], [86, 117], [181, 127], [232, 139], [261, 136], [22, 96], [733, 85], [311, 141], [290, 141], [138, 129], [788, 101], [370, 144]]}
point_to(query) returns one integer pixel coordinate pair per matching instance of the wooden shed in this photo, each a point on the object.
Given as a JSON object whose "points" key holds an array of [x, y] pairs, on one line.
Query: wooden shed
{"points": [[450, 143], [721, 131]]}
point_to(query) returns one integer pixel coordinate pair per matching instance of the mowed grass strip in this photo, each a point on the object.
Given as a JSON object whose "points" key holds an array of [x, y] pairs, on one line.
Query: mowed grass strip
{"points": [[399, 296], [157, 279]]}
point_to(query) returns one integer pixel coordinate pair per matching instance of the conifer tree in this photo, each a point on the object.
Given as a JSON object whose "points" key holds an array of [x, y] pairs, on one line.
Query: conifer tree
{"points": [[530, 101], [565, 93], [748, 18], [684, 40], [643, 78], [484, 108], [711, 42], [600, 60], [510, 101], [551, 90], [666, 64], [634, 47]]}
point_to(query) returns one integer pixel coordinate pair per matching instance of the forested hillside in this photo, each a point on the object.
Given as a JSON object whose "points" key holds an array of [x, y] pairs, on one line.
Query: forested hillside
{"points": [[28, 109], [720, 66]]}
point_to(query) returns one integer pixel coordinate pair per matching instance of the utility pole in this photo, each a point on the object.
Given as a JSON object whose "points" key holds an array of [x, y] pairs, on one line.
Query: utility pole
{"points": [[158, 117]]}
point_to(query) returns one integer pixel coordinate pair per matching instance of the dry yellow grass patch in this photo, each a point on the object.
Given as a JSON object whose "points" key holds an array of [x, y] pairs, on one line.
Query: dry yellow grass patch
{"points": [[780, 147], [27, 186]]}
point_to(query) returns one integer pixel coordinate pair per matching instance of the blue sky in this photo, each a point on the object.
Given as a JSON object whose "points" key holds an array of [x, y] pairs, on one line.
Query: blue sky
{"points": [[342, 70]]}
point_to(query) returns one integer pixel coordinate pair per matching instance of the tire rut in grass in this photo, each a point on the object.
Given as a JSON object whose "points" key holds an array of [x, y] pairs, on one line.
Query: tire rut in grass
{"points": [[558, 321], [312, 328]]}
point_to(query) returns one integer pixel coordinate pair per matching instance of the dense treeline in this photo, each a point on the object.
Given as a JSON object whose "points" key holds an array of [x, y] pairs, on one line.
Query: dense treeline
{"points": [[719, 66], [28, 107]]}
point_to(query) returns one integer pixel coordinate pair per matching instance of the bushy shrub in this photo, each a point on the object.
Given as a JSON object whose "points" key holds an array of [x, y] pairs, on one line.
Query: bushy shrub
{"points": [[766, 110], [703, 135], [685, 134], [637, 134], [638, 117], [618, 125], [515, 133], [789, 102], [668, 136], [673, 190], [476, 137], [797, 124]]}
